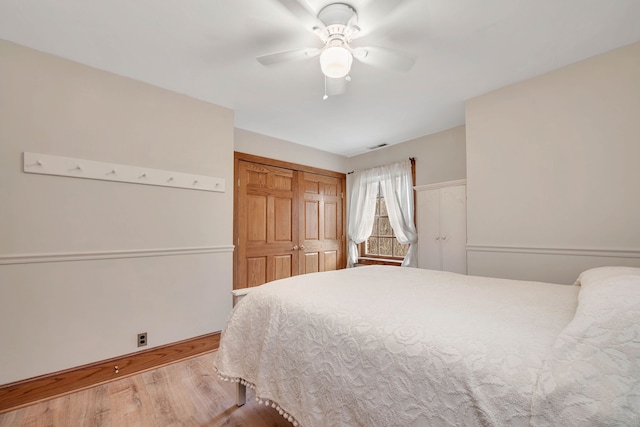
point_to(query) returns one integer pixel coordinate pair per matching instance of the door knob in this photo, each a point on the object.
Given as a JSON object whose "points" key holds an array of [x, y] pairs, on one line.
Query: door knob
{"points": [[301, 246], [444, 237], [295, 248], [437, 237]]}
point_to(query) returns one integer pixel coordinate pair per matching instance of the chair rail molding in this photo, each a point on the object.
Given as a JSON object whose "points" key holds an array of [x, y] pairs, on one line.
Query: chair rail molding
{"points": [[595, 252], [434, 186], [97, 255]]}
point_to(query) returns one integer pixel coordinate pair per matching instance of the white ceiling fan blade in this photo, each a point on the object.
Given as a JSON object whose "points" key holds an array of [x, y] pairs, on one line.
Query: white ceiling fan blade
{"points": [[384, 58], [304, 15], [288, 56], [336, 86]]}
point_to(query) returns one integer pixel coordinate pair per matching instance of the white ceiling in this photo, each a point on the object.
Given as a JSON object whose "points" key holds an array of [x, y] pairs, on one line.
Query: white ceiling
{"points": [[207, 49]]}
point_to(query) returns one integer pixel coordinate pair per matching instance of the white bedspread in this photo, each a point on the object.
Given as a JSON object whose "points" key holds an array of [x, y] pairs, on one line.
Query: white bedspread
{"points": [[389, 346]]}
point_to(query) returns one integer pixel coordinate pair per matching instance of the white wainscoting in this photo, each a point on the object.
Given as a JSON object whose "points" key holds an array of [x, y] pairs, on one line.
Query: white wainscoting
{"points": [[546, 264], [59, 315]]}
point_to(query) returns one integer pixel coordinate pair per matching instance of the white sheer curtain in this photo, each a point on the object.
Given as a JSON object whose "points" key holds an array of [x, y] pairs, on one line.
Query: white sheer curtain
{"points": [[396, 181], [362, 210]]}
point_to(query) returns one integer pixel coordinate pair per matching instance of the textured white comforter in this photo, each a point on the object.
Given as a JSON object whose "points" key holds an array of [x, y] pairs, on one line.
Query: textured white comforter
{"points": [[388, 346]]}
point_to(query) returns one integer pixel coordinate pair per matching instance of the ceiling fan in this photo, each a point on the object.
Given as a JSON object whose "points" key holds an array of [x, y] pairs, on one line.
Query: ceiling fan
{"points": [[336, 25]]}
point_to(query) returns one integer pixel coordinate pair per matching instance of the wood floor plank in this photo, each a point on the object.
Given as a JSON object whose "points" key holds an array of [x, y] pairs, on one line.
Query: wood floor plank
{"points": [[92, 405], [165, 386], [126, 401], [186, 393]]}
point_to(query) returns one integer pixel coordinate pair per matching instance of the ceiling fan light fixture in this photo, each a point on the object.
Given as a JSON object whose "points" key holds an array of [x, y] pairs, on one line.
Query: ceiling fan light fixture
{"points": [[335, 62]]}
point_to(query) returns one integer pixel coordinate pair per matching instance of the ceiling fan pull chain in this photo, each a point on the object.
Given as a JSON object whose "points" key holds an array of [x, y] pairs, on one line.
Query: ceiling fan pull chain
{"points": [[324, 98]]}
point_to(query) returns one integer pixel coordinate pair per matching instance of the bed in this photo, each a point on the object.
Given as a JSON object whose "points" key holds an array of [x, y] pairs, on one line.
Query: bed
{"points": [[389, 346]]}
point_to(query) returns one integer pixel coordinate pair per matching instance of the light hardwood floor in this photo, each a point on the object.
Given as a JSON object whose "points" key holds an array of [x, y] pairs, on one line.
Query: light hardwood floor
{"points": [[187, 393]]}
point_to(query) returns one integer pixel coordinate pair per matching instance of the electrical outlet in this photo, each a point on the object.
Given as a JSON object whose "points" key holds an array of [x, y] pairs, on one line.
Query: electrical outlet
{"points": [[142, 339]]}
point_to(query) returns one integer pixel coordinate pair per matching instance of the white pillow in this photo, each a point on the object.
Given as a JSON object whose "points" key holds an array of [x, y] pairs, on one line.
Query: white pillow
{"points": [[596, 274], [592, 374]]}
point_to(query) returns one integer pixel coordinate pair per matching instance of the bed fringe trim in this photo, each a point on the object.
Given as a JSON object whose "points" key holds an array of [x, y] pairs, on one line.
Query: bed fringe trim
{"points": [[261, 401]]}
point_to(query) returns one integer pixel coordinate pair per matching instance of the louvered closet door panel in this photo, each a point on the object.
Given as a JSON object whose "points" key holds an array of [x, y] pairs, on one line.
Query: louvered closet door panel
{"points": [[321, 226], [453, 228], [267, 224], [428, 211]]}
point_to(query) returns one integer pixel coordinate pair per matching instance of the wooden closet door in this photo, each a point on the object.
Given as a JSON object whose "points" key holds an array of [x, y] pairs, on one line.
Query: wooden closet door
{"points": [[267, 220], [321, 224]]}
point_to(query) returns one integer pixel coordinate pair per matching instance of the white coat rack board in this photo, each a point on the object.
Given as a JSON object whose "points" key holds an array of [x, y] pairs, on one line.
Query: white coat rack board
{"points": [[78, 168]]}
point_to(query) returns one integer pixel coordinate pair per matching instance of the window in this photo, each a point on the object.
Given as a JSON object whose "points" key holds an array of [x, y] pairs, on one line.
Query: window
{"points": [[382, 246], [382, 243]]}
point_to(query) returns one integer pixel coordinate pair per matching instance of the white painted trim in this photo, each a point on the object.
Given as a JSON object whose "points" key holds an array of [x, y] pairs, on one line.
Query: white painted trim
{"points": [[47, 164], [238, 294], [242, 292], [610, 253], [396, 261], [437, 185], [86, 256]]}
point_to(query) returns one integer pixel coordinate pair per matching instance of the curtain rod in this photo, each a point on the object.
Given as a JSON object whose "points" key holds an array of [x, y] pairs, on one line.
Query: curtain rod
{"points": [[411, 159]]}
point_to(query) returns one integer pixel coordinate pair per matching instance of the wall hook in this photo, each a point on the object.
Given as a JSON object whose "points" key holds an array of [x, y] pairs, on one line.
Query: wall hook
{"points": [[39, 163], [144, 175], [195, 182], [170, 179]]}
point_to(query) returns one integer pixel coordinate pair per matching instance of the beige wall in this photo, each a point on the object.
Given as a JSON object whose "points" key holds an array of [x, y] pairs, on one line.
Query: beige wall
{"points": [[552, 171], [274, 148], [57, 315], [439, 157]]}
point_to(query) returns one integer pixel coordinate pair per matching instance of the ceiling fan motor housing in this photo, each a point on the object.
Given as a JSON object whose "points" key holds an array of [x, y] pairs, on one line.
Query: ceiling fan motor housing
{"points": [[340, 22]]}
